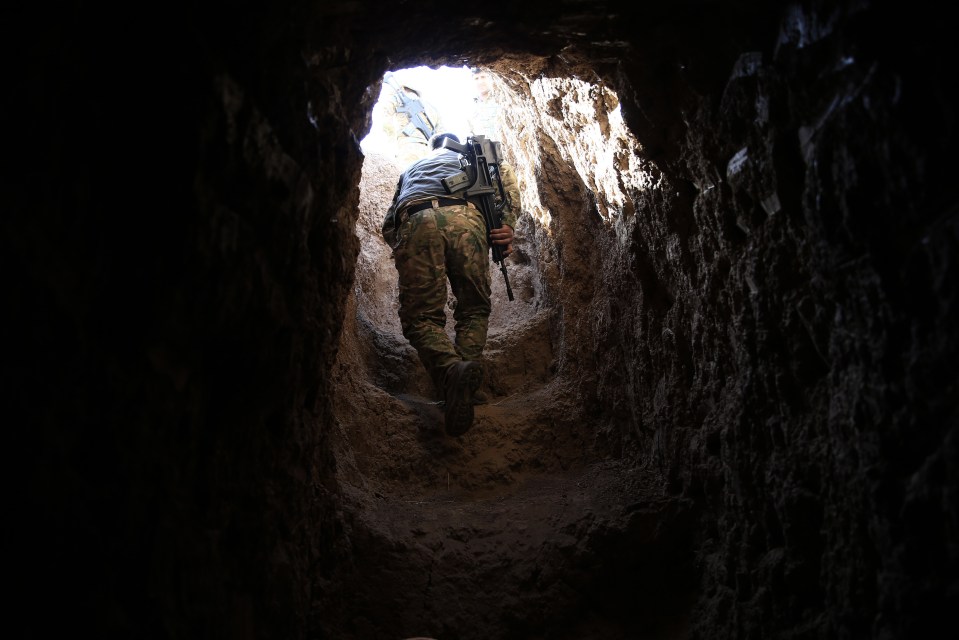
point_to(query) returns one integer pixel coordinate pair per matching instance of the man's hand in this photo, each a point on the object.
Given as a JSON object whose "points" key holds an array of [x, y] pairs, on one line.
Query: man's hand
{"points": [[503, 236]]}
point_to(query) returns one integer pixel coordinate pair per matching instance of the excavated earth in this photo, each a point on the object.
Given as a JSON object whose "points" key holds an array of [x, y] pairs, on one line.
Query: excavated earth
{"points": [[520, 527]]}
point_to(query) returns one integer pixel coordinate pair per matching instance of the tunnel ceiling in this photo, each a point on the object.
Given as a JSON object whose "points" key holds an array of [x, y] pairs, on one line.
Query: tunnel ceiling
{"points": [[671, 53]]}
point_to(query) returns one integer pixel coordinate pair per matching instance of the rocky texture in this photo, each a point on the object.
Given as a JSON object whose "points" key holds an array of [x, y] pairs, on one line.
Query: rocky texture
{"points": [[746, 423]]}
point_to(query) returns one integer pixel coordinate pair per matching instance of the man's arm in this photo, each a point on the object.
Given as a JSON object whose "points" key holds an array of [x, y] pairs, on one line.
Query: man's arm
{"points": [[511, 207]]}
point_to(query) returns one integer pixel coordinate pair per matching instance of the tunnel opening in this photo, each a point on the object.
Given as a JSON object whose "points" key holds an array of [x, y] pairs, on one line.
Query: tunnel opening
{"points": [[529, 522]]}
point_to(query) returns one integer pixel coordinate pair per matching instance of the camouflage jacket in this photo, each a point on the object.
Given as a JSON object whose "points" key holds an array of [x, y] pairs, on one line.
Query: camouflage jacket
{"points": [[422, 182]]}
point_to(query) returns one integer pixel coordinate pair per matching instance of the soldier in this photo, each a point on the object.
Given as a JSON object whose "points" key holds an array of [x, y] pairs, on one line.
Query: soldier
{"points": [[484, 118], [436, 237], [408, 120]]}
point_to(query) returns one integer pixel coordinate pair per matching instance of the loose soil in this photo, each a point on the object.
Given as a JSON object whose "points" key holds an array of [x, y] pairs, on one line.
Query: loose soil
{"points": [[509, 525]]}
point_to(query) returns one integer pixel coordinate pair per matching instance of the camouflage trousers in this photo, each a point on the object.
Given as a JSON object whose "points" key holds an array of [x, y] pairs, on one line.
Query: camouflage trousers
{"points": [[435, 245]]}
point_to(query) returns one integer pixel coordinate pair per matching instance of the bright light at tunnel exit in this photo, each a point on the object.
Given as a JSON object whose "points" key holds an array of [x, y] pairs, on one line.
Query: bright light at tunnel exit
{"points": [[606, 158], [449, 89]]}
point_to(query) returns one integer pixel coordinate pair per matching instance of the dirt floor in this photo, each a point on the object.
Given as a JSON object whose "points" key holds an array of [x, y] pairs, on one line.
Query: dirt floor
{"points": [[506, 528]]}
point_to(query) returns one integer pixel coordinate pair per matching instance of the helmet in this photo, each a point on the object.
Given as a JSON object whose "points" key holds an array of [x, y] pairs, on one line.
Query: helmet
{"points": [[437, 138]]}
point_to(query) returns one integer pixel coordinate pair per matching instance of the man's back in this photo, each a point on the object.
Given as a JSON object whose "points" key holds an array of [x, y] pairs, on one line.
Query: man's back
{"points": [[420, 181]]}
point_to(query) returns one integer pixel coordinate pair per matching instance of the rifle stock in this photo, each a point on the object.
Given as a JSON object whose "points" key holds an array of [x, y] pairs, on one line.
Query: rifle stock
{"points": [[481, 160]]}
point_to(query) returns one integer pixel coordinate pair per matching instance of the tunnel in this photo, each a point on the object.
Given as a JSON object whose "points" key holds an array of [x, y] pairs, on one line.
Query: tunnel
{"points": [[723, 404]]}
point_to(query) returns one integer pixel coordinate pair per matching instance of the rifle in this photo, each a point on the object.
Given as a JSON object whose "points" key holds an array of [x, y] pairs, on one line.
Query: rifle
{"points": [[480, 162], [411, 107]]}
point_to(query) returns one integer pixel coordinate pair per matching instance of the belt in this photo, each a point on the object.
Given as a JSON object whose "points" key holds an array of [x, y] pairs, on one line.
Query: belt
{"points": [[433, 204]]}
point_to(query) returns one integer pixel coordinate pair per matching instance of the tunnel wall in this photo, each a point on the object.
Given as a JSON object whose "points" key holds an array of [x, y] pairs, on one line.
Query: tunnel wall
{"points": [[769, 331], [779, 317], [178, 283], [791, 338]]}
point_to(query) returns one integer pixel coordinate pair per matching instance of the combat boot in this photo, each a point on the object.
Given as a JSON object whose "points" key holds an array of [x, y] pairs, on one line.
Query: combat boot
{"points": [[462, 380]]}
